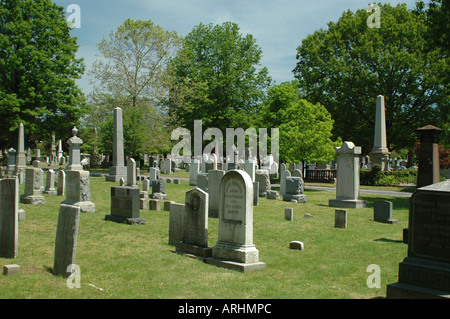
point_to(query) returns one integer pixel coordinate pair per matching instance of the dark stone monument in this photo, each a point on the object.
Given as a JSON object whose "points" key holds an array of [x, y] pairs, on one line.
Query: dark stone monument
{"points": [[425, 272], [125, 205], [382, 212], [429, 170]]}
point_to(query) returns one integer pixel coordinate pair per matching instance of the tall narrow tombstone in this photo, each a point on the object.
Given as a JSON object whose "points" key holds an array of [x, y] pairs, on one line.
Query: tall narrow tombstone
{"points": [[195, 223], [340, 218], [425, 272], [202, 181], [347, 185], [153, 174], [429, 168], [66, 239], [12, 155], [380, 150], [263, 178], [234, 248], [214, 178], [118, 170], [9, 221], [61, 188], [176, 223], [193, 172], [50, 183], [21, 160], [250, 168], [131, 173], [78, 184], [283, 177]]}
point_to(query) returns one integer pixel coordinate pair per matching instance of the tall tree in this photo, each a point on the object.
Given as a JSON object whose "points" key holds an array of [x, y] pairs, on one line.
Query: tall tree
{"points": [[305, 128], [38, 69], [346, 66], [132, 74], [218, 78]]}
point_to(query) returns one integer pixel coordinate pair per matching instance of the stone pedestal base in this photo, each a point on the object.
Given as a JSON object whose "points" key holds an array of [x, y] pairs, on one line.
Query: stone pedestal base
{"points": [[116, 173], [243, 267], [298, 198], [195, 251], [125, 220], [32, 199], [347, 203], [400, 290], [237, 257]]}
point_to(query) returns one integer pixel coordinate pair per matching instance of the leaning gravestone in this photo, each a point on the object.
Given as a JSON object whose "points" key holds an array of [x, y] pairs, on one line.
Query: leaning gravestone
{"points": [[234, 248], [425, 272], [195, 225], [66, 239], [9, 221]]}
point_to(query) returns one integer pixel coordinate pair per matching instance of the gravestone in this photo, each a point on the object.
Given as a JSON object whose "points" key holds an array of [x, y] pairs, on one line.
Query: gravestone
{"points": [[50, 183], [78, 191], [234, 248], [33, 192], [146, 185], [11, 170], [159, 189], [214, 178], [294, 190], [283, 176], [250, 168], [202, 181], [125, 205], [340, 218], [74, 152], [176, 223], [66, 239], [118, 169], [425, 272], [61, 188], [429, 169], [289, 214], [131, 173], [21, 159], [382, 212], [255, 193], [380, 150], [195, 225], [263, 178], [153, 174], [9, 221], [347, 184], [193, 172]]}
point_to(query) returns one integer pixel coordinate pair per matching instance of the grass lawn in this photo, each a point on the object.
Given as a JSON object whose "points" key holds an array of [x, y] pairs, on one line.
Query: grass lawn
{"points": [[136, 261]]}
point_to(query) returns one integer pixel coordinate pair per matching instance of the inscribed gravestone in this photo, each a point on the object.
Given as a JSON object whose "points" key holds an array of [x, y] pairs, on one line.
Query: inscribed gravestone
{"points": [[214, 178], [176, 223], [263, 178], [66, 238], [33, 193], [425, 272], [234, 248], [9, 223], [382, 212], [195, 224], [294, 190], [125, 205], [61, 188], [78, 190], [50, 183]]}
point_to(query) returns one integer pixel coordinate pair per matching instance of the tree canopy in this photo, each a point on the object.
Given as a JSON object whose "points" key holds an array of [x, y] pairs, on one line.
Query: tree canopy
{"points": [[346, 66], [218, 78], [38, 69]]}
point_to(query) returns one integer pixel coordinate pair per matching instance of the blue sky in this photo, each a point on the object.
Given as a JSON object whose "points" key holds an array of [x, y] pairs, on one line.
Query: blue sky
{"points": [[278, 26]]}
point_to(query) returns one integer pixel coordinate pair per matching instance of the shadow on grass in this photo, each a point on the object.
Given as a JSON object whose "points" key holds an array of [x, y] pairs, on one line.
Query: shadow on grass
{"points": [[387, 240], [48, 269]]}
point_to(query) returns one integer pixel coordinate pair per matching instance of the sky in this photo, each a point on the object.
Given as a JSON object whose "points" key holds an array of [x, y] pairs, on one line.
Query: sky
{"points": [[278, 26]]}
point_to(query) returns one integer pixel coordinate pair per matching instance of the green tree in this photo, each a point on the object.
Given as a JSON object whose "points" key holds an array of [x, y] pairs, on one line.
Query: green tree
{"points": [[38, 69], [132, 74], [218, 78], [305, 128], [346, 66]]}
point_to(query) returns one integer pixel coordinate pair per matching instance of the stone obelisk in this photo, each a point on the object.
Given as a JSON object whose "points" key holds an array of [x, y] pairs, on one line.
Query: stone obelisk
{"points": [[380, 152], [118, 170]]}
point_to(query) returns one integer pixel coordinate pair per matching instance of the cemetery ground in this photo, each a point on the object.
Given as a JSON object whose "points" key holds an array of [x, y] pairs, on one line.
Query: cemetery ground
{"points": [[120, 261]]}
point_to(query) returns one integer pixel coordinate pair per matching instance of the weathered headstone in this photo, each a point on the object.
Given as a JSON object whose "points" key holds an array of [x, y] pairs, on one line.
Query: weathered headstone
{"points": [[193, 172], [33, 193], [61, 188], [294, 190], [202, 181], [234, 248], [74, 152], [289, 214], [382, 212], [9, 221], [425, 272], [159, 189], [347, 185], [118, 169], [250, 168], [153, 174], [255, 193], [66, 239], [176, 223], [131, 173], [340, 218], [125, 205], [214, 178], [263, 178], [195, 224], [283, 176], [296, 245], [50, 183], [78, 191]]}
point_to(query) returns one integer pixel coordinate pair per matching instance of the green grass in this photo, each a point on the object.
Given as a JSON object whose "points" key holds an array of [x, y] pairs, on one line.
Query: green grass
{"points": [[136, 261]]}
